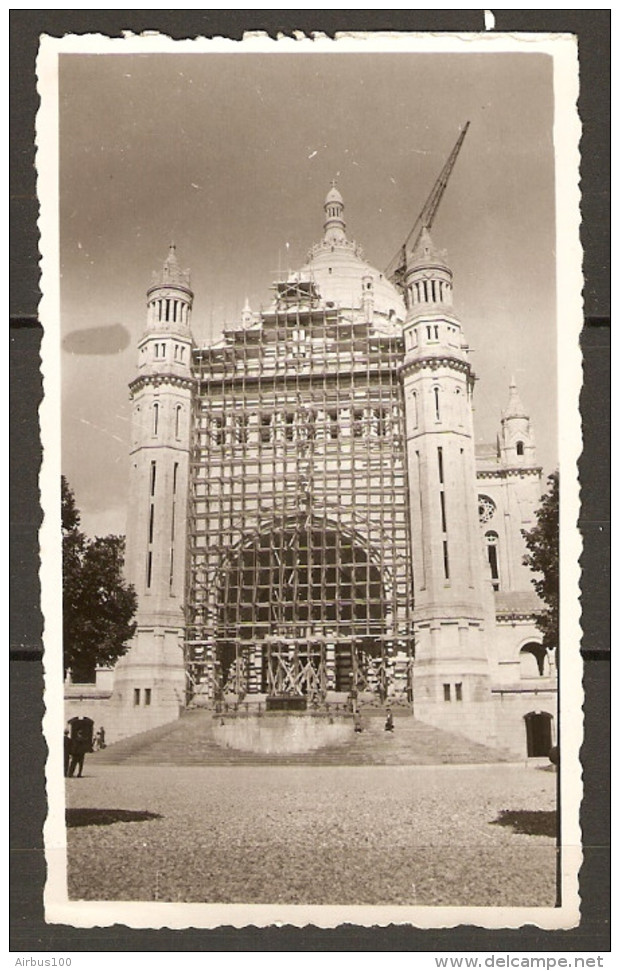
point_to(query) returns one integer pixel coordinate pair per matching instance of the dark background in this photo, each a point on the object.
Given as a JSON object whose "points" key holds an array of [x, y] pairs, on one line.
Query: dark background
{"points": [[29, 932]]}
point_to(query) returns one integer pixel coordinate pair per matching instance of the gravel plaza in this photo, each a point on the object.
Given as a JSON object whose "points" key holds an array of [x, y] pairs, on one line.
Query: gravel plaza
{"points": [[453, 835]]}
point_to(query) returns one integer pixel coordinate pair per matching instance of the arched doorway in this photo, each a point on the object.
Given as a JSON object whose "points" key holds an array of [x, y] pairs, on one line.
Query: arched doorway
{"points": [[302, 610], [539, 733]]}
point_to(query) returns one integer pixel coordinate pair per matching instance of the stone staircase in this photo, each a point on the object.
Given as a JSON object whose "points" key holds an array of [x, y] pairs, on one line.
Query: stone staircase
{"points": [[190, 741]]}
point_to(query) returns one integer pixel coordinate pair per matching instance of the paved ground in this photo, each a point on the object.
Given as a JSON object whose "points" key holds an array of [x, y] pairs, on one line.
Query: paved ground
{"points": [[451, 835]]}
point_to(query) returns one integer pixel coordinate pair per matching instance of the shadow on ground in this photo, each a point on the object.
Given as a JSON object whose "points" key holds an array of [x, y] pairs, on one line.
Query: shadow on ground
{"points": [[529, 822], [105, 817]]}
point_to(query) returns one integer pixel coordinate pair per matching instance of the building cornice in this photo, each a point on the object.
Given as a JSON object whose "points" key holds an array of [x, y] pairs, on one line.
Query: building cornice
{"points": [[510, 616], [157, 380], [434, 363], [518, 471]]}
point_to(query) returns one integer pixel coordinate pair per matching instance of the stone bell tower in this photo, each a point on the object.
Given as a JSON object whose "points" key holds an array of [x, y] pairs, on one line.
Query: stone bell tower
{"points": [[453, 607], [149, 683]]}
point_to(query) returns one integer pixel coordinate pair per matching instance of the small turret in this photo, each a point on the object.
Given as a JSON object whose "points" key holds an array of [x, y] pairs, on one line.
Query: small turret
{"points": [[334, 225], [169, 298], [368, 296], [247, 316], [166, 344], [516, 438], [428, 277]]}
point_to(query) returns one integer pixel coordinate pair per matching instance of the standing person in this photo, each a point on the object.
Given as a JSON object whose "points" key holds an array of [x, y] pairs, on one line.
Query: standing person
{"points": [[357, 721], [67, 751], [99, 740], [81, 743], [389, 721]]}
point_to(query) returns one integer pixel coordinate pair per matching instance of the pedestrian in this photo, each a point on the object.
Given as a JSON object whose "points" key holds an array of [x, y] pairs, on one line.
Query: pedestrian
{"points": [[99, 740], [357, 722], [389, 721], [67, 751], [81, 743]]}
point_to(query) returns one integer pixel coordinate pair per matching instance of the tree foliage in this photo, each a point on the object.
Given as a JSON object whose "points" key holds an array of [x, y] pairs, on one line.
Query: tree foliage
{"points": [[98, 604], [543, 557]]}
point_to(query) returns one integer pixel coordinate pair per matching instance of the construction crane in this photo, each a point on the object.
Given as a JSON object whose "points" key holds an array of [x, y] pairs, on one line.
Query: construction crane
{"points": [[397, 267]]}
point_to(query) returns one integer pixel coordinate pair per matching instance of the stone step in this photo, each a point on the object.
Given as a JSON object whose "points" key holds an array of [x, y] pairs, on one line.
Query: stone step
{"points": [[190, 741]]}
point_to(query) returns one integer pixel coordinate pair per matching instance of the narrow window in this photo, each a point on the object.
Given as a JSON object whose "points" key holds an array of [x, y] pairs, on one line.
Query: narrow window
{"points": [[167, 310], [446, 562], [458, 691], [177, 420], [442, 500], [437, 412], [136, 696], [149, 569], [175, 472], [153, 474], [174, 311], [147, 696], [492, 550], [171, 580], [155, 418], [428, 332], [414, 401], [446, 692], [151, 522], [520, 449], [436, 330], [182, 351]]}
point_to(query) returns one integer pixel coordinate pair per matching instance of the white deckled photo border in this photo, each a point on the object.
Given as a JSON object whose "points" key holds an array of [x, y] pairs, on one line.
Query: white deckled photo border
{"points": [[562, 49]]}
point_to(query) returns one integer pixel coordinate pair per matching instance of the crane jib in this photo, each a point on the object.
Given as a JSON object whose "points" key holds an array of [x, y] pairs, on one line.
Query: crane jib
{"points": [[397, 265]]}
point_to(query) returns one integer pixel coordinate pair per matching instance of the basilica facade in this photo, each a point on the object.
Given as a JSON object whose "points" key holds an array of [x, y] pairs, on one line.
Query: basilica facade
{"points": [[311, 521]]}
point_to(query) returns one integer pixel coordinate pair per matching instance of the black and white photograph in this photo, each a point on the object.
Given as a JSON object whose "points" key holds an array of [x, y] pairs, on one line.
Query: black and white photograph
{"points": [[311, 428]]}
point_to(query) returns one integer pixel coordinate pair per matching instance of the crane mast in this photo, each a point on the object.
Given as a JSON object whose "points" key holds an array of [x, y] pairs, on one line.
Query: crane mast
{"points": [[397, 267]]}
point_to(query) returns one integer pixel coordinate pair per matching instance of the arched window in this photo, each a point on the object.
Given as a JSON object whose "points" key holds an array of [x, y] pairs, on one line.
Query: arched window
{"points": [[155, 418], [437, 410], [533, 661], [493, 556], [520, 448], [177, 420]]}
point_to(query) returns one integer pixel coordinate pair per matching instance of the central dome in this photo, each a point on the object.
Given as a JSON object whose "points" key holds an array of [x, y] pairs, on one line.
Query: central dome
{"points": [[341, 275]]}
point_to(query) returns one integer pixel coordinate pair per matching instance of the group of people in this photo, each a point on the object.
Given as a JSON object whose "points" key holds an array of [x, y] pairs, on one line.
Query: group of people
{"points": [[78, 740], [357, 721]]}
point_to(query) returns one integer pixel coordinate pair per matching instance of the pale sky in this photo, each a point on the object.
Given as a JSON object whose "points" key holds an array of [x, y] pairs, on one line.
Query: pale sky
{"points": [[231, 155]]}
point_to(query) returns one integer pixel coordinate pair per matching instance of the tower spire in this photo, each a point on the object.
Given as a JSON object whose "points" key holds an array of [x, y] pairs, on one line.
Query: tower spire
{"points": [[516, 438], [515, 407]]}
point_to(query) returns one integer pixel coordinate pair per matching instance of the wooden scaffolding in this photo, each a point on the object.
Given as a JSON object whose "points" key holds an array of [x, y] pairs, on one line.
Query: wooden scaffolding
{"points": [[299, 579]]}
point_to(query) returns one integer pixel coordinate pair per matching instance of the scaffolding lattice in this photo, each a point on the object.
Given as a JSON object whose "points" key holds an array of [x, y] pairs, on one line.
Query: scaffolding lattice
{"points": [[300, 569]]}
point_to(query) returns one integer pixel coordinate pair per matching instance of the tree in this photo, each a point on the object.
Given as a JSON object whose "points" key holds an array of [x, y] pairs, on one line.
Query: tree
{"points": [[98, 604], [543, 557]]}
